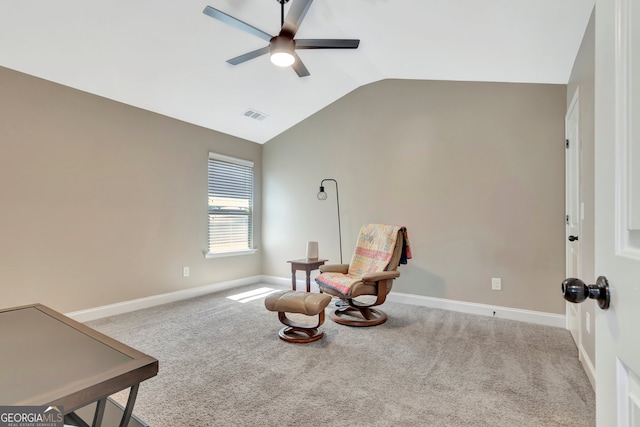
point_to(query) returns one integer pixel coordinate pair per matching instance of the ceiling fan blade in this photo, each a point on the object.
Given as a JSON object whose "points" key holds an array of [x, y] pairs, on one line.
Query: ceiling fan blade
{"points": [[228, 19], [297, 12], [247, 56], [327, 43], [299, 67]]}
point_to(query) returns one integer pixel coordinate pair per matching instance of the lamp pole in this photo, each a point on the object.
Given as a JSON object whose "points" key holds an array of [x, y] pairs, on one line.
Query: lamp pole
{"points": [[323, 196]]}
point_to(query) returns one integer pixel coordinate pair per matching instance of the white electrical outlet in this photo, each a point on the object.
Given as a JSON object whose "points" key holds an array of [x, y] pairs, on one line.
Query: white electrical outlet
{"points": [[496, 284], [587, 321], [185, 272]]}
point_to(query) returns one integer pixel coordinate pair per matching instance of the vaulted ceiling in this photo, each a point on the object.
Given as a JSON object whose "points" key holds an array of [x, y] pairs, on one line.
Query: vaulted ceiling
{"points": [[168, 57]]}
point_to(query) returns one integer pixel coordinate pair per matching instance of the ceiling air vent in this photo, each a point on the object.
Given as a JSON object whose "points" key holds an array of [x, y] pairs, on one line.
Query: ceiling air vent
{"points": [[256, 115]]}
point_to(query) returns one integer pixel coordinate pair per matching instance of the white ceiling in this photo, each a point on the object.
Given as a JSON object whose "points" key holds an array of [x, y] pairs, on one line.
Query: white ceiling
{"points": [[166, 56]]}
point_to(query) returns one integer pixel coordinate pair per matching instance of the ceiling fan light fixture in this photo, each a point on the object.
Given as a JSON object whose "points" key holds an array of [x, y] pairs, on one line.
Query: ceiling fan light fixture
{"points": [[282, 49], [282, 59]]}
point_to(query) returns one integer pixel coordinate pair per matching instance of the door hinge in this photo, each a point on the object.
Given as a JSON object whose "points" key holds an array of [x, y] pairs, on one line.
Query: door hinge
{"points": [[567, 219], [566, 143]]}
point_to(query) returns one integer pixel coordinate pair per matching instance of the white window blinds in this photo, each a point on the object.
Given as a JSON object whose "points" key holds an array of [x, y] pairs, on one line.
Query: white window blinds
{"points": [[230, 204]]}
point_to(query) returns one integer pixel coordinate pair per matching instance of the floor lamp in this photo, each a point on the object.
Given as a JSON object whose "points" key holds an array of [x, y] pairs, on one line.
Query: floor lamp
{"points": [[323, 196]]}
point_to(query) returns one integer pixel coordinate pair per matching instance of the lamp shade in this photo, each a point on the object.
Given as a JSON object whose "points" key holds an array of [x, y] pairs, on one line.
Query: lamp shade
{"points": [[321, 194]]}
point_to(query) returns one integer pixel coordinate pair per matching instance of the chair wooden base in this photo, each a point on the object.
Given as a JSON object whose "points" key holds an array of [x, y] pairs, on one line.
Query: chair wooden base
{"points": [[369, 316], [300, 335], [299, 332]]}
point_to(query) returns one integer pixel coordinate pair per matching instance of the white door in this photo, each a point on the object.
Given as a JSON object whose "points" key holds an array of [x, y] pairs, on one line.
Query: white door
{"points": [[617, 210], [572, 209]]}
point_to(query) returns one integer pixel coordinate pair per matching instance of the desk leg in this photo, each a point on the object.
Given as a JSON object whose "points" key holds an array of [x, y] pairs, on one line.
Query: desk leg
{"points": [[99, 414], [126, 416], [293, 278], [308, 279], [74, 420]]}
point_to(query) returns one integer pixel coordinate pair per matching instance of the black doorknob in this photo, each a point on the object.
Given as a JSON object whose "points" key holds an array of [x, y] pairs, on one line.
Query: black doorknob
{"points": [[573, 238], [575, 290]]}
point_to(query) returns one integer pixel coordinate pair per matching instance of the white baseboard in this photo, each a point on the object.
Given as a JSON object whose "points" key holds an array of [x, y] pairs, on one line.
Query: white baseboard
{"points": [[280, 281], [587, 364], [152, 301], [538, 317], [548, 319]]}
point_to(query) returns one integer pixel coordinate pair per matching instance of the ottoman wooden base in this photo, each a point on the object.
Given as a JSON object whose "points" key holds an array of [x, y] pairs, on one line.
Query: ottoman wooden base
{"points": [[306, 303]]}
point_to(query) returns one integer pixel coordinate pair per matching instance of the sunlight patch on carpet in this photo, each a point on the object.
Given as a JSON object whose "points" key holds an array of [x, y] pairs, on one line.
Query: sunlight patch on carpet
{"points": [[251, 295]]}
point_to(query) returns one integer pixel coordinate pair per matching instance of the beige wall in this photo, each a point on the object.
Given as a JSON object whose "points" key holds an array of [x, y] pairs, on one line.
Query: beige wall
{"points": [[474, 170], [103, 202], [583, 80]]}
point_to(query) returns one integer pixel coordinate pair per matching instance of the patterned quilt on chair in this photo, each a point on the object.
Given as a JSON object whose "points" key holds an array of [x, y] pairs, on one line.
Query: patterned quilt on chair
{"points": [[374, 249]]}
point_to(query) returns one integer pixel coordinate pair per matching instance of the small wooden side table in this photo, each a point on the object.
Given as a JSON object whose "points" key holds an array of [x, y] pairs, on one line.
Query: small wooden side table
{"points": [[304, 264]]}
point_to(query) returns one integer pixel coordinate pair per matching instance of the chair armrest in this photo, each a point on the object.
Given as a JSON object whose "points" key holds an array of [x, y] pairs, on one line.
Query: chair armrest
{"points": [[334, 268], [383, 275]]}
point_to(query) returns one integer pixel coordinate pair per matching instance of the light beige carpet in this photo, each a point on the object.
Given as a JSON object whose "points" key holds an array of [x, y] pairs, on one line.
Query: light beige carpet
{"points": [[222, 364]]}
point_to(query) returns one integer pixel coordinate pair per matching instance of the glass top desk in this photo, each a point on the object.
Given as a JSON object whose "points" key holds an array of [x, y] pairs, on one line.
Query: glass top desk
{"points": [[47, 358]]}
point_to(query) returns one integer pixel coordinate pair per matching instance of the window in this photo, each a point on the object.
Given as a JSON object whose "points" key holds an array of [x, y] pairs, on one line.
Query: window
{"points": [[230, 205]]}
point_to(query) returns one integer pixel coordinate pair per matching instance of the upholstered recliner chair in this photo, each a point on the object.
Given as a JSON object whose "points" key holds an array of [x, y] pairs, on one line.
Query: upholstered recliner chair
{"points": [[372, 270]]}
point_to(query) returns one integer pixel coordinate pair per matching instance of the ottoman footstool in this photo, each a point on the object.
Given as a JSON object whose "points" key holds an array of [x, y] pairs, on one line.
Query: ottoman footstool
{"points": [[307, 303]]}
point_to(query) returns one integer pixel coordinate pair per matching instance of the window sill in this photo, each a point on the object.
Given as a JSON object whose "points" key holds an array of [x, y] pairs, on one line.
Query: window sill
{"points": [[210, 255]]}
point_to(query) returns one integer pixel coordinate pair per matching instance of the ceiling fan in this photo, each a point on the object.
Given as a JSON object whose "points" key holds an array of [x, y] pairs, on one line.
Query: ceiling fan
{"points": [[283, 46]]}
